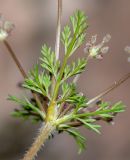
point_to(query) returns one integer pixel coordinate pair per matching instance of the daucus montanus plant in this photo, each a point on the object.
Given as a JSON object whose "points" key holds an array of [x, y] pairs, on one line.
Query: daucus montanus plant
{"points": [[56, 102]]}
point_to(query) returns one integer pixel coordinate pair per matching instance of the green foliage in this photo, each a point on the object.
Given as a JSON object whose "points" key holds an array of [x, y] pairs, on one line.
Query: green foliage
{"points": [[73, 40], [88, 123], [38, 82], [50, 82], [75, 68], [28, 110], [105, 111], [66, 37], [67, 90], [78, 100], [80, 140], [88, 119], [49, 61], [71, 96]]}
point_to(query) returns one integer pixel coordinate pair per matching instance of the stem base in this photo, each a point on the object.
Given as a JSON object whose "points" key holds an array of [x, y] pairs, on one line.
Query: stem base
{"points": [[43, 135]]}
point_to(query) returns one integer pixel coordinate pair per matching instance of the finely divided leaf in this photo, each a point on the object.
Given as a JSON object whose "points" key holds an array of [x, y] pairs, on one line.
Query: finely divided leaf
{"points": [[118, 107], [90, 125], [72, 41], [38, 82], [27, 110], [80, 140], [49, 61], [66, 37], [75, 68]]}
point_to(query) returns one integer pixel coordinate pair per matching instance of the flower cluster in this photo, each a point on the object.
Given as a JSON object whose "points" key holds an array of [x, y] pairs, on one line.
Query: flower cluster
{"points": [[97, 50], [5, 28]]}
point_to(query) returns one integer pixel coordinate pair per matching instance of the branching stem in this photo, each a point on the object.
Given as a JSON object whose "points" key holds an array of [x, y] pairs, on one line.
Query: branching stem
{"points": [[109, 89]]}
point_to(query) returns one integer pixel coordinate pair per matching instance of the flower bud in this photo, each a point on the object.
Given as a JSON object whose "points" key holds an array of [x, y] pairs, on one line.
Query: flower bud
{"points": [[93, 39], [104, 50], [107, 38]]}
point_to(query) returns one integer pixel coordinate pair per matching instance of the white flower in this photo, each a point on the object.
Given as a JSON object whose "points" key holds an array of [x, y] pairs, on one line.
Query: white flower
{"points": [[97, 51], [3, 35], [5, 28]]}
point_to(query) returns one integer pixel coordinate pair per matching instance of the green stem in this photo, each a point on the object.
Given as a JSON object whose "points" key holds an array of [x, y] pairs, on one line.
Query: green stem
{"points": [[56, 89], [51, 109]]}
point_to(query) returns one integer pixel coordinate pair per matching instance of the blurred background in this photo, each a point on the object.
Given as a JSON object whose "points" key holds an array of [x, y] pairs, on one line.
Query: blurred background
{"points": [[35, 22]]}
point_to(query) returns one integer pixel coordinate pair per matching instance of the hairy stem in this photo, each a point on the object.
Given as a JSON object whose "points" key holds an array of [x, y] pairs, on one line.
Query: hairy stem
{"points": [[109, 89], [23, 73], [43, 135]]}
